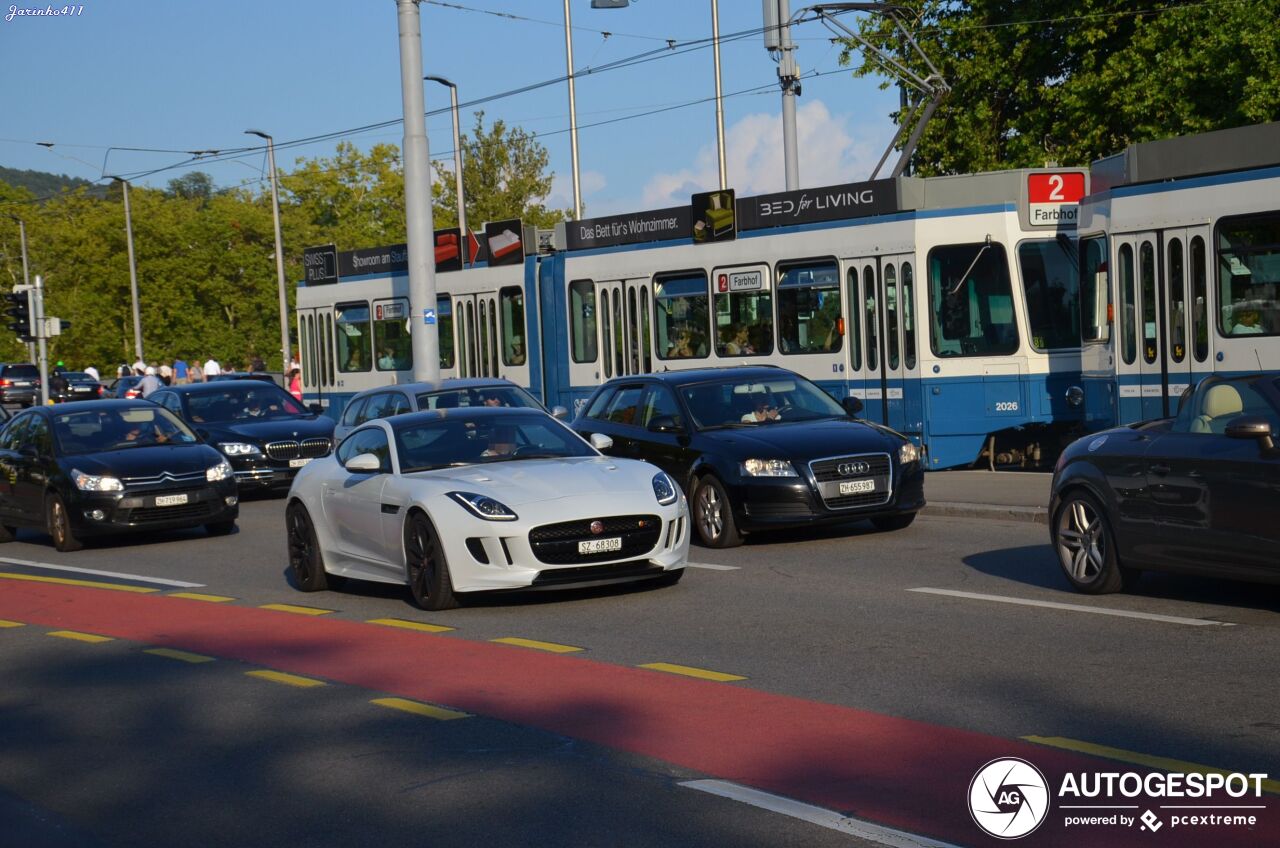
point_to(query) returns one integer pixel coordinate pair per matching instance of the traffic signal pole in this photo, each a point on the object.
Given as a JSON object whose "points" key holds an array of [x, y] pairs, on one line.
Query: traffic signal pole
{"points": [[37, 320], [26, 275]]}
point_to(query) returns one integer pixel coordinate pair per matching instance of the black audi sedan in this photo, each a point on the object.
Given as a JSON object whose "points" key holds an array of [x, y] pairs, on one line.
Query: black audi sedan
{"points": [[265, 433], [759, 448], [1199, 492], [79, 386], [92, 468]]}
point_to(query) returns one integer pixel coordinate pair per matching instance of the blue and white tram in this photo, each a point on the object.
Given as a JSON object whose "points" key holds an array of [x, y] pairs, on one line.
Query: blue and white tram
{"points": [[1180, 270]]}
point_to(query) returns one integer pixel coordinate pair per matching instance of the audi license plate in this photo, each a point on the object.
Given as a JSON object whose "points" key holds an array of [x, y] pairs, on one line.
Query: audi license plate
{"points": [[853, 487], [600, 546], [298, 463], [170, 500]]}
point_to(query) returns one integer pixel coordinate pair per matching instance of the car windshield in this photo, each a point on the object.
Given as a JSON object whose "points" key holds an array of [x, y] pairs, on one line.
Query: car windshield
{"points": [[487, 396], [248, 400], [114, 429], [21, 372], [754, 402], [466, 440]]}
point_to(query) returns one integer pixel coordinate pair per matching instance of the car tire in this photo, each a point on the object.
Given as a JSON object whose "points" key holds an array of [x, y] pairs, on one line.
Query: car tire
{"points": [[713, 515], [426, 566], [894, 522], [7, 533], [58, 525], [221, 528], [306, 562], [1085, 545]]}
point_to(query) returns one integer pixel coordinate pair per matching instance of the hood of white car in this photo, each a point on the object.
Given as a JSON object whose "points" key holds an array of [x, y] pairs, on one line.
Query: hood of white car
{"points": [[521, 481]]}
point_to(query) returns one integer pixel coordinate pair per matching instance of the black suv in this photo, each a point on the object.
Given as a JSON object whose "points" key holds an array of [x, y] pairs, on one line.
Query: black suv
{"points": [[759, 447], [19, 383]]}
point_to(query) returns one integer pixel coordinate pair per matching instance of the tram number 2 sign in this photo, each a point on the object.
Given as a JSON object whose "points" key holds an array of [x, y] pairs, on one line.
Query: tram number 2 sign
{"points": [[1053, 199]]}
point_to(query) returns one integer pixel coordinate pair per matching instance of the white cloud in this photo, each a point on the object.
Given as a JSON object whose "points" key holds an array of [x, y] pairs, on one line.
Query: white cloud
{"points": [[561, 195]]}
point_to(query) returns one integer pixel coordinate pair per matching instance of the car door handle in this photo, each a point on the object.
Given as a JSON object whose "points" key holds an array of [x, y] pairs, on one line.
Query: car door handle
{"points": [[1160, 469]]}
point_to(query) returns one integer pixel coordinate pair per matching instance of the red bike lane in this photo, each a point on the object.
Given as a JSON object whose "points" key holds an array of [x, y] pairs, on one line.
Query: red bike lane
{"points": [[896, 772]]}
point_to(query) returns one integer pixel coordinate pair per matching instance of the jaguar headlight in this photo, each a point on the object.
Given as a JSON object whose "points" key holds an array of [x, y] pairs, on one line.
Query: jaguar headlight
{"points": [[768, 468], [483, 506], [221, 471], [92, 483], [665, 489], [908, 453], [239, 448]]}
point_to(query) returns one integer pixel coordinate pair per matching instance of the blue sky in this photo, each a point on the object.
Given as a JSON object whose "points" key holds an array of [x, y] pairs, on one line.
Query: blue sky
{"points": [[181, 75]]}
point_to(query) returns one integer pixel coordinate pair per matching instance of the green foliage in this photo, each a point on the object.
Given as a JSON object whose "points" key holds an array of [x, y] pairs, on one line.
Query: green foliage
{"points": [[1035, 80], [42, 184]]}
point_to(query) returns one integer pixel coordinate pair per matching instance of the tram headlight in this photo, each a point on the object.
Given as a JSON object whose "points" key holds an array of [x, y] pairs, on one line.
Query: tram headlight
{"points": [[908, 453], [1075, 396]]}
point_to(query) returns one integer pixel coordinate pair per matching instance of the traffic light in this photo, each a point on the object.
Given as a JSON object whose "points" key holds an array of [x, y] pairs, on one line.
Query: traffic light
{"points": [[18, 308]]}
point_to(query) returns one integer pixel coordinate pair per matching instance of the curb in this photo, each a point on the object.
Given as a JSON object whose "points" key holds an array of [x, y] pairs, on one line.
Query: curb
{"points": [[1034, 514]]}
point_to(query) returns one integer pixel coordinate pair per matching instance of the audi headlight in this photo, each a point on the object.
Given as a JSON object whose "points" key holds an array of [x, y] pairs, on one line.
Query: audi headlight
{"points": [[239, 448], [91, 483], [483, 506], [768, 468], [221, 471], [908, 453], [665, 489]]}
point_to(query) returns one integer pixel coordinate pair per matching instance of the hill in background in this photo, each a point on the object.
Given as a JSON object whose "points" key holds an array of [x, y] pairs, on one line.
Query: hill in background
{"points": [[43, 184]]}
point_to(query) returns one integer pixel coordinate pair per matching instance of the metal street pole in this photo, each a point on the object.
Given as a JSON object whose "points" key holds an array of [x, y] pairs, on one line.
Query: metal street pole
{"points": [[417, 198], [715, 43], [26, 274], [457, 160], [573, 112], [37, 318], [788, 76], [285, 350], [133, 271]]}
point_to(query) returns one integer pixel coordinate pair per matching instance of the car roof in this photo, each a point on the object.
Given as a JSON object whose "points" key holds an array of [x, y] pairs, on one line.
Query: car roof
{"points": [[216, 386], [446, 384], [470, 413], [107, 403], [699, 375]]}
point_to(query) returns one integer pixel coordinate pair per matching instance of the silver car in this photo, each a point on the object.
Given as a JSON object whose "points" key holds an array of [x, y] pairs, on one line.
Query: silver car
{"points": [[388, 401]]}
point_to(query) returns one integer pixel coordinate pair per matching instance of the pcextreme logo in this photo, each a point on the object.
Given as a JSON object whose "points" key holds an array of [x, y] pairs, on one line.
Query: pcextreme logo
{"points": [[1008, 798]]}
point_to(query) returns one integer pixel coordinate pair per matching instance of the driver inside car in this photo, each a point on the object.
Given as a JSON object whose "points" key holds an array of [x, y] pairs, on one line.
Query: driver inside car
{"points": [[502, 442], [763, 411]]}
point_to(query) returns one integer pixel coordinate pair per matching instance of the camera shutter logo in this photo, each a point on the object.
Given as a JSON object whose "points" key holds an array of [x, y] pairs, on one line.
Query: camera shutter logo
{"points": [[1008, 798], [849, 469]]}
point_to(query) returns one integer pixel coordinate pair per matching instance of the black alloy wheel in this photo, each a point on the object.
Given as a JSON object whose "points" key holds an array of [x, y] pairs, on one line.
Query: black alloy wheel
{"points": [[713, 515], [305, 559], [428, 572]]}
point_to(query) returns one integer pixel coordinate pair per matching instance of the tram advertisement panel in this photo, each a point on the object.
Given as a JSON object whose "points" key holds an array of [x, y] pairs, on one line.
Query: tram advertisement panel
{"points": [[504, 242], [812, 205], [448, 244], [714, 216], [320, 265]]}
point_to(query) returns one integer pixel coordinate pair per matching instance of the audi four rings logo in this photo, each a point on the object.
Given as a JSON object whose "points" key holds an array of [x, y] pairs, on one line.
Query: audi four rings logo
{"points": [[1008, 798], [847, 469]]}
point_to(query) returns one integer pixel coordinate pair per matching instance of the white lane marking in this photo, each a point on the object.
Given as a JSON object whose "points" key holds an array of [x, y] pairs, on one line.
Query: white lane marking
{"points": [[711, 566], [1146, 616], [815, 815], [160, 580]]}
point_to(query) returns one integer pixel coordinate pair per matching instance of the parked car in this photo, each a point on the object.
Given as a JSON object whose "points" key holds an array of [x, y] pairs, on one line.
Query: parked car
{"points": [[124, 387], [1199, 492], [758, 448], [80, 386], [19, 383], [482, 499], [79, 470], [263, 431], [449, 393]]}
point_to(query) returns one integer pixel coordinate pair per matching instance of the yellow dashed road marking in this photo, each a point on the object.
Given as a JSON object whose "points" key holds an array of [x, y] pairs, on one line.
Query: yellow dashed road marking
{"points": [[536, 645], [4, 622], [410, 625], [1162, 763], [68, 581], [286, 679], [179, 655], [79, 637], [690, 671], [418, 708], [196, 596], [296, 609]]}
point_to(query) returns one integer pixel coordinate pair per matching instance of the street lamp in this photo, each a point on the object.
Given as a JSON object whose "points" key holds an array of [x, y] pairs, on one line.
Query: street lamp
{"points": [[133, 270], [457, 157], [275, 214]]}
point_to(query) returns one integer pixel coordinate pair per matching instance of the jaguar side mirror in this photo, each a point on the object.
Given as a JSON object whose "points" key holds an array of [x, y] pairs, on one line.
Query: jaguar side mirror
{"points": [[1252, 427], [852, 405], [560, 413], [364, 463]]}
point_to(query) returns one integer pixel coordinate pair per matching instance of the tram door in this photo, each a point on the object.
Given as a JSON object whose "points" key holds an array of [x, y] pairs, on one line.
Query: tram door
{"points": [[1186, 325], [315, 336], [625, 343], [881, 326], [475, 330]]}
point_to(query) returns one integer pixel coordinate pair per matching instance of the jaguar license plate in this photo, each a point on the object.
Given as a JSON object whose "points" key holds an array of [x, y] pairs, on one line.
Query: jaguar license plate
{"points": [[853, 487], [298, 463], [600, 546], [170, 500]]}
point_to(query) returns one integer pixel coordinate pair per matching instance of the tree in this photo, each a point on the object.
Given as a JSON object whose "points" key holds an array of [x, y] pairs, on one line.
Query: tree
{"points": [[1033, 80], [196, 185]]}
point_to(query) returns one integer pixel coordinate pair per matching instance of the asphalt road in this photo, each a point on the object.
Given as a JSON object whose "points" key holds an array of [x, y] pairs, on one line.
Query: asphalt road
{"points": [[105, 744]]}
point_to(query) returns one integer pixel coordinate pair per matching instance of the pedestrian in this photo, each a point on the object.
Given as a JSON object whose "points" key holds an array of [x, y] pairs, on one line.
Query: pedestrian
{"points": [[150, 382], [139, 367], [180, 370], [92, 372], [195, 373], [166, 374], [256, 364], [295, 383], [211, 368]]}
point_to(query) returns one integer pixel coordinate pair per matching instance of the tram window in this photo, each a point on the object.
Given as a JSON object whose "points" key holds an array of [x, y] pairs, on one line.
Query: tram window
{"points": [[891, 315], [1147, 270], [1177, 302], [744, 319], [1128, 314], [355, 349], [908, 318], [484, 338], [582, 320], [871, 310], [855, 340], [1249, 275], [973, 315], [493, 339], [633, 326], [681, 315], [646, 346], [512, 307], [1051, 286], [473, 359], [1199, 299], [309, 350], [809, 308], [391, 336], [619, 356], [444, 326], [1095, 290], [608, 339]]}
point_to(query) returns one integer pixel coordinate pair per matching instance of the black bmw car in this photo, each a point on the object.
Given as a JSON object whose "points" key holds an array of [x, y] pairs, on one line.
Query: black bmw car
{"points": [[1199, 492], [758, 448], [263, 431], [92, 468]]}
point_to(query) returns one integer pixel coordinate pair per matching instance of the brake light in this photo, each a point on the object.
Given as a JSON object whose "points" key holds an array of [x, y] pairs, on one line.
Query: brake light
{"points": [[5, 382]]}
